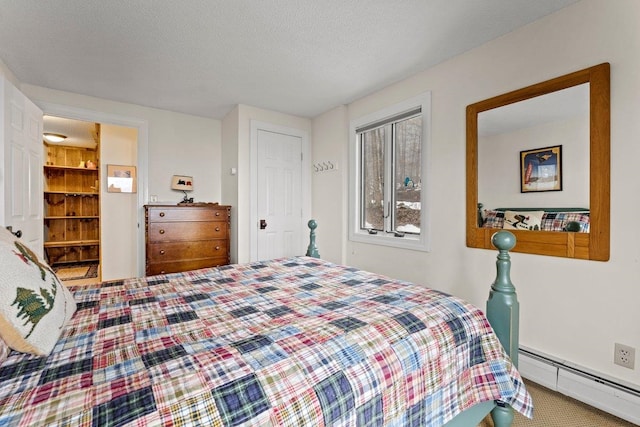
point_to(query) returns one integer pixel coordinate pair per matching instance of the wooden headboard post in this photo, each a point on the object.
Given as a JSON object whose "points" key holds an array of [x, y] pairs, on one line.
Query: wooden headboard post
{"points": [[312, 250], [503, 312]]}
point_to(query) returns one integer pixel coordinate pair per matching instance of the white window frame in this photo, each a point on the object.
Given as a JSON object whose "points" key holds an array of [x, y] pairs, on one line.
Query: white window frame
{"points": [[419, 242]]}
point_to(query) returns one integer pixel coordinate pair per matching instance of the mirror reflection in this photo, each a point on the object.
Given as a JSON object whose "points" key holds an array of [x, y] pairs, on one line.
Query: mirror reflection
{"points": [[558, 119]]}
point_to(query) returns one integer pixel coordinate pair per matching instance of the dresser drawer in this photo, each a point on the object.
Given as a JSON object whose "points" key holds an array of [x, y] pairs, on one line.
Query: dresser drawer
{"points": [[186, 237], [174, 251], [168, 214], [185, 265], [186, 231]]}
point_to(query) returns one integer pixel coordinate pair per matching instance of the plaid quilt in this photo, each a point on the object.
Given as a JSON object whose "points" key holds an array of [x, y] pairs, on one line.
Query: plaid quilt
{"points": [[551, 221], [288, 342]]}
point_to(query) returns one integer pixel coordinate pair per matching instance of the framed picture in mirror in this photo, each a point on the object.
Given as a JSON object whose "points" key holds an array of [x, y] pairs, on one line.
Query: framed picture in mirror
{"points": [[541, 169]]}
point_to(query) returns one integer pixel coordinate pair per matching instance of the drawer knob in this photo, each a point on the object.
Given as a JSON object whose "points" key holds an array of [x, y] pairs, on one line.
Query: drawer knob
{"points": [[161, 213], [161, 231], [217, 228], [217, 248], [162, 252], [217, 213]]}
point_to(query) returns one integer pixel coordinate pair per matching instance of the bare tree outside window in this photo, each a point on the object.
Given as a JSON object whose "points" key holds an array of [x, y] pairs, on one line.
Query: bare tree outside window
{"points": [[373, 179], [402, 167], [408, 175], [388, 150]]}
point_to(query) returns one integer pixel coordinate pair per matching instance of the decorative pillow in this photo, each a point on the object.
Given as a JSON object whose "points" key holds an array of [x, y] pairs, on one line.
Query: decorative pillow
{"points": [[557, 221], [523, 220], [493, 219], [4, 351], [34, 305]]}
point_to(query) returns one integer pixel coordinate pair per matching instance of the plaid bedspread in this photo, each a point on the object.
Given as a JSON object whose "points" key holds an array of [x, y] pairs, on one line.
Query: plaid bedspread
{"points": [[288, 342]]}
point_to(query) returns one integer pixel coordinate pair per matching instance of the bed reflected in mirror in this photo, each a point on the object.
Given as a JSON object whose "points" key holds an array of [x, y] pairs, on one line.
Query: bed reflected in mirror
{"points": [[538, 161]]}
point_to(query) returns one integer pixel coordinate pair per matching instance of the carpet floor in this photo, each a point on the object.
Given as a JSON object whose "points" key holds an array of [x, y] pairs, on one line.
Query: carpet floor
{"points": [[76, 271], [552, 409]]}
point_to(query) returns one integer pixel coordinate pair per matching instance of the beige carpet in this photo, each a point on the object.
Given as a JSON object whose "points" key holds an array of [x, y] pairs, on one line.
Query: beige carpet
{"points": [[552, 409]]}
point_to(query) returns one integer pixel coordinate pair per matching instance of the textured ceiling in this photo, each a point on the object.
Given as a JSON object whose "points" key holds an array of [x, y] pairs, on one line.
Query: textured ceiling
{"points": [[202, 57]]}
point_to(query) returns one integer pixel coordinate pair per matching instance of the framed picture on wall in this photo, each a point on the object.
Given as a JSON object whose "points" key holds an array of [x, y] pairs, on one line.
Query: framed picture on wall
{"points": [[541, 169], [121, 179]]}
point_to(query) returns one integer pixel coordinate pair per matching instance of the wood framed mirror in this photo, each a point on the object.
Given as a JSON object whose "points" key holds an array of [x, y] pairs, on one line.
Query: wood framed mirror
{"points": [[594, 245]]}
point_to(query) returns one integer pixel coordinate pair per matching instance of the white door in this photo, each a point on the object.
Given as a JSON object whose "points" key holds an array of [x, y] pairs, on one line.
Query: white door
{"points": [[279, 195], [22, 149]]}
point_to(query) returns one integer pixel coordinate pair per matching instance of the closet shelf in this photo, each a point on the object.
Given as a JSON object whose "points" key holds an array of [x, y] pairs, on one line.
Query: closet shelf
{"points": [[73, 217], [73, 193], [52, 167], [66, 243], [71, 204]]}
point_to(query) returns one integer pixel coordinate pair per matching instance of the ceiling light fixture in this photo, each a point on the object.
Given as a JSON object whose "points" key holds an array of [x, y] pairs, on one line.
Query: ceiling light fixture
{"points": [[54, 137]]}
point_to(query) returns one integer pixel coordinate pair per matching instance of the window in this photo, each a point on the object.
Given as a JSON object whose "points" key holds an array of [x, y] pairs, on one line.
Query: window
{"points": [[388, 197]]}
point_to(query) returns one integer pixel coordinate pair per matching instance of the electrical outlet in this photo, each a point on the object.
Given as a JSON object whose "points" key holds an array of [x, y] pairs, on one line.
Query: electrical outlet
{"points": [[624, 355]]}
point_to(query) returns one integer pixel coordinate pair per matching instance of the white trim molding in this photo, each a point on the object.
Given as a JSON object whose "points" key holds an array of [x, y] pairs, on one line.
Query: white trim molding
{"points": [[421, 242]]}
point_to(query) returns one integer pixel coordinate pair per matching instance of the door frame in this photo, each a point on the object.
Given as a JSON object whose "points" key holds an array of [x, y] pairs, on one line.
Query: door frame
{"points": [[305, 186], [142, 126]]}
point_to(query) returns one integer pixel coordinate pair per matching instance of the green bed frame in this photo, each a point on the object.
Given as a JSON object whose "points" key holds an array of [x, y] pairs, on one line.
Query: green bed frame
{"points": [[503, 313]]}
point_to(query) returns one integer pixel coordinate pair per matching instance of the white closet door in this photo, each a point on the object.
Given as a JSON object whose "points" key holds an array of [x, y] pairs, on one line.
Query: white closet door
{"points": [[22, 150], [279, 195]]}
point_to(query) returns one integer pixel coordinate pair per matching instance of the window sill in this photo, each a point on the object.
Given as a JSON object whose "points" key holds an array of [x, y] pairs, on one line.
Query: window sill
{"points": [[409, 241]]}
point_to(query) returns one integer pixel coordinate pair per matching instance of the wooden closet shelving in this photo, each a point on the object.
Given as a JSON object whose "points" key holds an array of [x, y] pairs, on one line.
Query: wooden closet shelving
{"points": [[71, 205]]}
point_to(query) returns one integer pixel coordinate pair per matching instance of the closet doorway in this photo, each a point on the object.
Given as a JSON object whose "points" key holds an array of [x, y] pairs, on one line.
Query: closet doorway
{"points": [[90, 234]]}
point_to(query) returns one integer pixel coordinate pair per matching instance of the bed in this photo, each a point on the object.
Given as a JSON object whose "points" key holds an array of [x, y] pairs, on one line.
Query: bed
{"points": [[286, 342], [575, 220]]}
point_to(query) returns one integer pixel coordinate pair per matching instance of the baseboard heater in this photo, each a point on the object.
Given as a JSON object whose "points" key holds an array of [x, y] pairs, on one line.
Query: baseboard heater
{"points": [[598, 391]]}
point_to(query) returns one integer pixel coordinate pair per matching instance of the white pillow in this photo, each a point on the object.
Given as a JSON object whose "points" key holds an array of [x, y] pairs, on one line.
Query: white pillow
{"points": [[523, 220], [34, 304]]}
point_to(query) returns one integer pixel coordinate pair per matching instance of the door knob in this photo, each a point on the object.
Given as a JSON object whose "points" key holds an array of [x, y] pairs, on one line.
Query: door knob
{"points": [[263, 224], [18, 233]]}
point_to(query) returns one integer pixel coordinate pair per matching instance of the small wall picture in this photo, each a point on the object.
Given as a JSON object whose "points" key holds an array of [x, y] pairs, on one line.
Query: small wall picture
{"points": [[541, 169], [121, 179]]}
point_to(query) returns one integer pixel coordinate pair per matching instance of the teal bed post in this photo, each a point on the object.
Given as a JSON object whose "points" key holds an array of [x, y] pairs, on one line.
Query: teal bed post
{"points": [[503, 312], [312, 250]]}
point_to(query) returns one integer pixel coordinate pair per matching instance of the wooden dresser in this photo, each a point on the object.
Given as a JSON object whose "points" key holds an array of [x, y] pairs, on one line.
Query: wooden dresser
{"points": [[186, 237]]}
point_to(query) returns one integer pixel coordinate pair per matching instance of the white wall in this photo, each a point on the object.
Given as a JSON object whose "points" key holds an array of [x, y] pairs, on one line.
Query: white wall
{"points": [[8, 74], [572, 309], [329, 204], [118, 218], [229, 179]]}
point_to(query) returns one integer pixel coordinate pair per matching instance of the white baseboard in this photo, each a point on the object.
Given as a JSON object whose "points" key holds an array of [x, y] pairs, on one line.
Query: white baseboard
{"points": [[586, 387], [540, 372]]}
